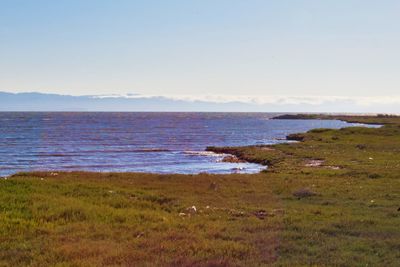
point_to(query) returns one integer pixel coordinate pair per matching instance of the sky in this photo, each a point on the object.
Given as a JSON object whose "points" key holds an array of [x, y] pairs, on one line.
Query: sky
{"points": [[218, 49]]}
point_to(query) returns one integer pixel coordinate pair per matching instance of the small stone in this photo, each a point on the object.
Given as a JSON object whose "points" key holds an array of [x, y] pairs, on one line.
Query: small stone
{"points": [[237, 213], [261, 214], [139, 235], [314, 163], [191, 210]]}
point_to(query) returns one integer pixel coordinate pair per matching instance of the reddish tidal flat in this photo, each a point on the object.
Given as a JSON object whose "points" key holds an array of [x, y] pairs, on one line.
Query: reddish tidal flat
{"points": [[331, 199]]}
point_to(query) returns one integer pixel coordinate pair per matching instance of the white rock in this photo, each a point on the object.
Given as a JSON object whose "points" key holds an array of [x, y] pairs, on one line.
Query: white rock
{"points": [[192, 209]]}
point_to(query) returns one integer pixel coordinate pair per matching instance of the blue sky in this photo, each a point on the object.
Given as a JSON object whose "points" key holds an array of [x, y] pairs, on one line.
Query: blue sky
{"points": [[258, 48]]}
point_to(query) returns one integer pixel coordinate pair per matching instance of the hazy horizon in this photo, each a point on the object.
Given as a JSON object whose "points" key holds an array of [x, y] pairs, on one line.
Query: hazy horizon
{"points": [[309, 54], [34, 101]]}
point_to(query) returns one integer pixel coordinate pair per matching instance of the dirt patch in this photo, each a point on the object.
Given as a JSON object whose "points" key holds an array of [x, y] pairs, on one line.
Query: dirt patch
{"points": [[303, 193], [333, 167], [320, 163], [314, 163]]}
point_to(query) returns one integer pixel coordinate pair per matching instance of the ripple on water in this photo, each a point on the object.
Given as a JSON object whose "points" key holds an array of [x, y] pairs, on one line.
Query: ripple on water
{"points": [[137, 142]]}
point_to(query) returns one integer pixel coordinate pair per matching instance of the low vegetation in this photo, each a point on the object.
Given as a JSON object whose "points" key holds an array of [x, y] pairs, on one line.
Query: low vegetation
{"points": [[331, 199]]}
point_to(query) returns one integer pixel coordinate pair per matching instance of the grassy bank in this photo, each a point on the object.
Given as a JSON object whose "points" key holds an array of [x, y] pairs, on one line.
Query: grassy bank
{"points": [[331, 199]]}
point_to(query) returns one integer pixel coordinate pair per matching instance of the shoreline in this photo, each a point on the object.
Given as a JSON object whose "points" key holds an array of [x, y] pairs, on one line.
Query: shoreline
{"points": [[331, 199], [233, 154], [242, 152]]}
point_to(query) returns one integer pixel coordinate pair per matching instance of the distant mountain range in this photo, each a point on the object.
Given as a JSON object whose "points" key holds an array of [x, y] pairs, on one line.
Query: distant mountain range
{"points": [[54, 102]]}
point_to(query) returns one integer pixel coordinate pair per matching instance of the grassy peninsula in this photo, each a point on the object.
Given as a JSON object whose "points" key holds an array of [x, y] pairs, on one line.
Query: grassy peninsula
{"points": [[332, 199]]}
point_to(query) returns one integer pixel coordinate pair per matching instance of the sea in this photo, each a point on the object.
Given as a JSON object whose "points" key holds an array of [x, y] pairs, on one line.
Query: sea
{"points": [[138, 141]]}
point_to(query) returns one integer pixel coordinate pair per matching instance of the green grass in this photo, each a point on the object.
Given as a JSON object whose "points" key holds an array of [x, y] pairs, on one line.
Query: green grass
{"points": [[135, 219], [347, 217]]}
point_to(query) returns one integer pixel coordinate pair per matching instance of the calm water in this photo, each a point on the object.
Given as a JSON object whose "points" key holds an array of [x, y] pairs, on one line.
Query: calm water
{"points": [[139, 142]]}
